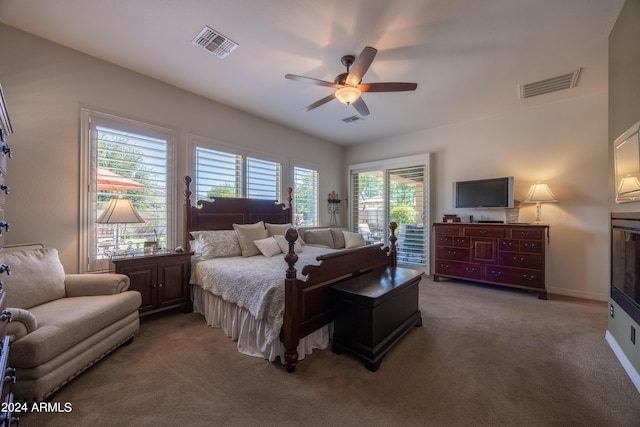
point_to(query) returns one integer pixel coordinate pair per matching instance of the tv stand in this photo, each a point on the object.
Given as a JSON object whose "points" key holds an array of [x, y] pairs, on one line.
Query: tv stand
{"points": [[510, 255]]}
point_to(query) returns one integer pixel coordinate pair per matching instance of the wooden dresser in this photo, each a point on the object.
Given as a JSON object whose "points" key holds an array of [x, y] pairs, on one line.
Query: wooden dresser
{"points": [[7, 418], [500, 254]]}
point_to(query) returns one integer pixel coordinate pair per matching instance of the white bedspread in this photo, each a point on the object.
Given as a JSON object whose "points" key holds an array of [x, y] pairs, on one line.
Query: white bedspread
{"points": [[254, 283]]}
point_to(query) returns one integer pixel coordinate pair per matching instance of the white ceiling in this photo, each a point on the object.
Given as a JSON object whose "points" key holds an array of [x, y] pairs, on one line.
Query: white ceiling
{"points": [[467, 56]]}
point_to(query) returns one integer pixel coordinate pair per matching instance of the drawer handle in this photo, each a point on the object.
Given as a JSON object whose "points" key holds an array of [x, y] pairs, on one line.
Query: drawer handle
{"points": [[508, 244], [4, 268], [516, 259], [524, 233], [5, 225], [496, 273], [10, 379], [4, 188], [529, 245], [470, 269], [528, 277], [482, 231], [444, 266], [7, 151], [461, 240], [452, 252], [6, 316]]}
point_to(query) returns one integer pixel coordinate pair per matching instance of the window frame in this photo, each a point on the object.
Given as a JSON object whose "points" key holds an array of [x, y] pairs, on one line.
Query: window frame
{"points": [[89, 120]]}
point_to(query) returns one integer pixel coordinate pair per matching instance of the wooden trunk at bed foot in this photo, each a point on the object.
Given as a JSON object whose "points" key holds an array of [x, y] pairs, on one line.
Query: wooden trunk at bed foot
{"points": [[372, 313]]}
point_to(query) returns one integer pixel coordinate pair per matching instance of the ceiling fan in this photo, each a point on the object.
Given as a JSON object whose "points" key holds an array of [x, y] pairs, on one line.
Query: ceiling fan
{"points": [[348, 85]]}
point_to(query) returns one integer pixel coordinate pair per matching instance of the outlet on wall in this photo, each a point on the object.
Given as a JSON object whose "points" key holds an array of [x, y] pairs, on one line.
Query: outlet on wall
{"points": [[611, 310]]}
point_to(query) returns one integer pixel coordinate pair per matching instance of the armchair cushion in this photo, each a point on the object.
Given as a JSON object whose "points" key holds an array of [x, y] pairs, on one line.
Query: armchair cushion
{"points": [[37, 277], [80, 285], [22, 323]]}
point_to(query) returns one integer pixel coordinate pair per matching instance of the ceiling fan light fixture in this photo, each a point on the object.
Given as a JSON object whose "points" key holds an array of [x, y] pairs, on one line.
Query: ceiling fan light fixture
{"points": [[348, 94]]}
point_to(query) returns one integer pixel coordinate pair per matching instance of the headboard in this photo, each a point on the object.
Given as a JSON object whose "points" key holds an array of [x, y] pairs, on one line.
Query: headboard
{"points": [[223, 212]]}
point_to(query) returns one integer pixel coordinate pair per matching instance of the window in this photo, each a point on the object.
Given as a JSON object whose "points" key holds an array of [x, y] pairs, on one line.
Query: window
{"points": [[305, 196], [393, 190], [223, 174], [129, 160]]}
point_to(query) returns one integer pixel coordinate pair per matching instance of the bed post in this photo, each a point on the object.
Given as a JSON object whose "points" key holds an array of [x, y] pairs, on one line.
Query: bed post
{"points": [[186, 214], [289, 206], [291, 322], [392, 244]]}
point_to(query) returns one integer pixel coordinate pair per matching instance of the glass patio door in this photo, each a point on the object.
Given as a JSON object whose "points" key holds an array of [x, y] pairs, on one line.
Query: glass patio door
{"points": [[393, 193]]}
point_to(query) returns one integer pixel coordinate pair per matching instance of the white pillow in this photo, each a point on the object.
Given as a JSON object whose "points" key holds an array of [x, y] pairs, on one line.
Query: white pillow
{"points": [[268, 246], [247, 234], [320, 237], [353, 240], [284, 245], [215, 243]]}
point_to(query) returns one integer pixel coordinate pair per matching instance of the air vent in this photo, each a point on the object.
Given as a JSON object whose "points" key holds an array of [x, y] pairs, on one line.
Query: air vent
{"points": [[353, 119], [214, 42], [553, 84]]}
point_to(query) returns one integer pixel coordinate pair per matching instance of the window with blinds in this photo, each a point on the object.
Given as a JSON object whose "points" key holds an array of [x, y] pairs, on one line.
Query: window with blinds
{"points": [[126, 160], [224, 174], [392, 190], [305, 196]]}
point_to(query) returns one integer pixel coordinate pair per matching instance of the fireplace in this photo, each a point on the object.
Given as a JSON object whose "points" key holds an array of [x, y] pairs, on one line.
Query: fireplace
{"points": [[625, 262]]}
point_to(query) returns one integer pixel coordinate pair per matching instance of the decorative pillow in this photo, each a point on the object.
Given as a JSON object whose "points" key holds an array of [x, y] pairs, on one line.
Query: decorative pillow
{"points": [[216, 243], [247, 234], [37, 277], [338, 238], [268, 247], [353, 240], [320, 236], [277, 229], [284, 245]]}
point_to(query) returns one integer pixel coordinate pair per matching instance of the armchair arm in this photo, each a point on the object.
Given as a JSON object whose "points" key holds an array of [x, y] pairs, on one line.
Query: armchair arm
{"points": [[80, 285], [22, 323]]}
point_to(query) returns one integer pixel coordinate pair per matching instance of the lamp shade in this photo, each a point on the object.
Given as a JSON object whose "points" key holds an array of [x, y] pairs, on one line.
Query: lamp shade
{"points": [[119, 211], [348, 94], [539, 193], [628, 185]]}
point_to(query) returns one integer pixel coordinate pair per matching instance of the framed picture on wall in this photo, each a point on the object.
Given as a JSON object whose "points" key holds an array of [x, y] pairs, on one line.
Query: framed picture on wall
{"points": [[626, 152]]}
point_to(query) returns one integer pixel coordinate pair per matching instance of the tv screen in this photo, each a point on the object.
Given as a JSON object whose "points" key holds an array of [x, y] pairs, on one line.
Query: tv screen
{"points": [[484, 193]]}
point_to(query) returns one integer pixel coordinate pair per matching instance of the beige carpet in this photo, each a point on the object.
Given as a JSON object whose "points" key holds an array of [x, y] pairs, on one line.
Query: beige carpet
{"points": [[485, 357]]}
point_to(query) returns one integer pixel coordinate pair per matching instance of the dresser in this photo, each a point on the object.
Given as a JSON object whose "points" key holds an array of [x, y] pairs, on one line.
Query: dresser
{"points": [[162, 279], [7, 418], [510, 255]]}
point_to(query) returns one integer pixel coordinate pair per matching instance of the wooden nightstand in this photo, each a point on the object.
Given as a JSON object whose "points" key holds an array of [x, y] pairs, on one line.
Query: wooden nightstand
{"points": [[162, 279]]}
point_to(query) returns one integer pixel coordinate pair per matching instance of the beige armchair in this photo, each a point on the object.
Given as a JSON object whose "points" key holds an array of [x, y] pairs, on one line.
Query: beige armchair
{"points": [[61, 323]]}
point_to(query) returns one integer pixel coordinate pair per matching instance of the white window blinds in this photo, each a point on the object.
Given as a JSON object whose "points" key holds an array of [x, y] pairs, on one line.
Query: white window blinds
{"points": [[305, 197]]}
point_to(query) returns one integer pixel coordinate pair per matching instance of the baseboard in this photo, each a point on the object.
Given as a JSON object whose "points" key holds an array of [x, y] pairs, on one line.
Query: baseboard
{"points": [[579, 294], [622, 358]]}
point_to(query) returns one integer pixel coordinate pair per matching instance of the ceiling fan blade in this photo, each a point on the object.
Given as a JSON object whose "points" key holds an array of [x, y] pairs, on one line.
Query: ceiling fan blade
{"points": [[312, 81], [361, 65], [361, 107], [319, 102], [387, 87]]}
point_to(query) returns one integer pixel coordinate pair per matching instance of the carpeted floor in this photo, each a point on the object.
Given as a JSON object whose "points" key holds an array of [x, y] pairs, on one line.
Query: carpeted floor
{"points": [[484, 356]]}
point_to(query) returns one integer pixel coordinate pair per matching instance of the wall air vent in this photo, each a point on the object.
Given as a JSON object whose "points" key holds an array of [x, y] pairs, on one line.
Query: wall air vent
{"points": [[214, 42], [353, 119], [553, 84]]}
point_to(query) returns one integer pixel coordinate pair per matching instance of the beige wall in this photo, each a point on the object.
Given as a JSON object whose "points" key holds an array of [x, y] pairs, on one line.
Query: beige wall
{"points": [[624, 111], [564, 144], [45, 87]]}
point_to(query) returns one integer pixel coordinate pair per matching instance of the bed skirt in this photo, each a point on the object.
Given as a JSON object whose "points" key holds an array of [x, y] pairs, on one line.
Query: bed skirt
{"points": [[239, 325]]}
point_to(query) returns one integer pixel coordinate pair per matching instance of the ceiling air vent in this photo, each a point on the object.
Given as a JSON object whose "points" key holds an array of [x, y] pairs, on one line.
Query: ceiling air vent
{"points": [[214, 42], [553, 84], [353, 119]]}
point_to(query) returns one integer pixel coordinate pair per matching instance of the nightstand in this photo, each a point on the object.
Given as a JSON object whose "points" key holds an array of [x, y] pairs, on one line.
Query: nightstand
{"points": [[162, 279]]}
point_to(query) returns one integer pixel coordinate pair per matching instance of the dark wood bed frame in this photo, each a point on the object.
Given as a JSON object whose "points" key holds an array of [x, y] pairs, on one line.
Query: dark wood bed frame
{"points": [[307, 302]]}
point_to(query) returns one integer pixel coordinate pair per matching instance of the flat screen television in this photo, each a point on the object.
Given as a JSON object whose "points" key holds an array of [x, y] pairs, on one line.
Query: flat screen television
{"points": [[484, 193], [625, 262]]}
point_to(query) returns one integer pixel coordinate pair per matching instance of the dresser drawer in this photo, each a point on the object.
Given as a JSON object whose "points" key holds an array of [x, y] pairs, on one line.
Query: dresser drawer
{"points": [[484, 231], [464, 270], [452, 253], [516, 276], [527, 233], [532, 246], [443, 230], [520, 260]]}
